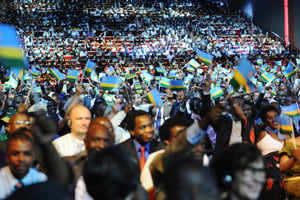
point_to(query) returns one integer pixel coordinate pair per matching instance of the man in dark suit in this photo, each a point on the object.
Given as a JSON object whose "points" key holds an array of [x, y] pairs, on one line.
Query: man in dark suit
{"points": [[141, 143]]}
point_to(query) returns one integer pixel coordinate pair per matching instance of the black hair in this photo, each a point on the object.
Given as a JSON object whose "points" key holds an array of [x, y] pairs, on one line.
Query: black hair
{"points": [[266, 109], [110, 174], [164, 130], [130, 122], [178, 185], [20, 134]]}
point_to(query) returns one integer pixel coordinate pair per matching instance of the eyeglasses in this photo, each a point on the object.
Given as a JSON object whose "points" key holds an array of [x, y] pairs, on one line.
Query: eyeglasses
{"points": [[21, 122]]}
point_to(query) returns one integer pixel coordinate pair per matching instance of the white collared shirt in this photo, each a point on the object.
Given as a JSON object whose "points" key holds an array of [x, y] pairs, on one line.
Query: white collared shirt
{"points": [[68, 145]]}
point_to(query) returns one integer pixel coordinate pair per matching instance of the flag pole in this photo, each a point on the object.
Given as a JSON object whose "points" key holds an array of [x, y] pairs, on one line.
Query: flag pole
{"points": [[293, 133]]}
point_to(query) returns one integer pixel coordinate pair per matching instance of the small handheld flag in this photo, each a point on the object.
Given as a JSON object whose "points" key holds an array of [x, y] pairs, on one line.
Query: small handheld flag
{"points": [[154, 98]]}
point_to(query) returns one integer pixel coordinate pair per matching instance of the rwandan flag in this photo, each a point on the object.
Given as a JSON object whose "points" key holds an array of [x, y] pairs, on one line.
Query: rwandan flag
{"points": [[165, 82], [89, 67], [193, 63], [243, 74], [11, 54], [286, 125], [35, 73], [109, 82], [204, 57], [37, 90], [259, 61], [160, 70], [94, 76], [138, 87], [216, 92], [291, 110], [72, 75], [290, 70], [18, 73], [11, 83], [177, 85], [190, 69], [154, 98], [267, 77], [57, 74]]}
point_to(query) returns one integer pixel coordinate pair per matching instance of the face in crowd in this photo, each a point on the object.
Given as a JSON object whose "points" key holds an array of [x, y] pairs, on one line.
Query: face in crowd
{"points": [[80, 118], [144, 129], [20, 154], [97, 138]]}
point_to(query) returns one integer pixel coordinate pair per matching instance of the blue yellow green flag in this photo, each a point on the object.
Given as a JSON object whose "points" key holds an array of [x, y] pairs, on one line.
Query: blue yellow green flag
{"points": [[290, 70], [204, 57], [72, 75], [56, 73], [11, 53], [286, 124], [242, 75], [154, 98], [267, 77], [216, 92], [177, 85], [291, 110], [165, 82], [89, 67], [109, 82]]}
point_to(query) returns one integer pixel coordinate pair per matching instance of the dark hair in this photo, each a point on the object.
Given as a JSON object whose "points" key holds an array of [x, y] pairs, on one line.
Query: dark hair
{"points": [[110, 174], [237, 157], [179, 184], [130, 122], [99, 107], [164, 130], [20, 134], [266, 109]]}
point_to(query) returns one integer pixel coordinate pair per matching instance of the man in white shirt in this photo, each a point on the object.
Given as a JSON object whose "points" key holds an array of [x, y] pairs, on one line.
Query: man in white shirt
{"points": [[72, 143], [18, 173]]}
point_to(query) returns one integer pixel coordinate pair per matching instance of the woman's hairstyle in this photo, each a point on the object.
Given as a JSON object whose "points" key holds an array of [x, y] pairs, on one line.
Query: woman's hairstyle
{"points": [[266, 109]]}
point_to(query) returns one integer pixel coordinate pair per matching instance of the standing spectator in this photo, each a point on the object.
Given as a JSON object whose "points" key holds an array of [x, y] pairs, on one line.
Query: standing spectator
{"points": [[20, 156], [78, 120]]}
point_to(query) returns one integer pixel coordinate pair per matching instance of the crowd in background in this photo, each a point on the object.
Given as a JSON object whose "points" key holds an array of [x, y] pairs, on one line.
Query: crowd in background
{"points": [[233, 143]]}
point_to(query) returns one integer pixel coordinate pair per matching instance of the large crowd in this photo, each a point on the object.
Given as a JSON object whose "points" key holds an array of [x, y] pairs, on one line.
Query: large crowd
{"points": [[87, 140]]}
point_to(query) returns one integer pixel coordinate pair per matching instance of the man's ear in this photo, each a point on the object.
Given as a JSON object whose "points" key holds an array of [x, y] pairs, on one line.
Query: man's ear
{"points": [[131, 133]]}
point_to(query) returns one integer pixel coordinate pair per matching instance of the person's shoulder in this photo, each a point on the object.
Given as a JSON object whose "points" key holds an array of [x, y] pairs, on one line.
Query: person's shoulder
{"points": [[61, 138], [36, 175]]}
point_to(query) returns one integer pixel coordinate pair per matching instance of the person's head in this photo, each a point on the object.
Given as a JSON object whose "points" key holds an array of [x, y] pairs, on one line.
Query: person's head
{"points": [[270, 116], [180, 95], [240, 170], [17, 121], [140, 126], [171, 127], [18, 100], [289, 99], [51, 107], [97, 137], [78, 120], [188, 179], [196, 106], [110, 174], [249, 109], [280, 96], [20, 153], [99, 107]]}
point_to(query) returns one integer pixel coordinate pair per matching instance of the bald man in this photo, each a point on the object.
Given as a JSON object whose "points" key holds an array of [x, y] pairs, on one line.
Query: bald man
{"points": [[79, 119]]}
